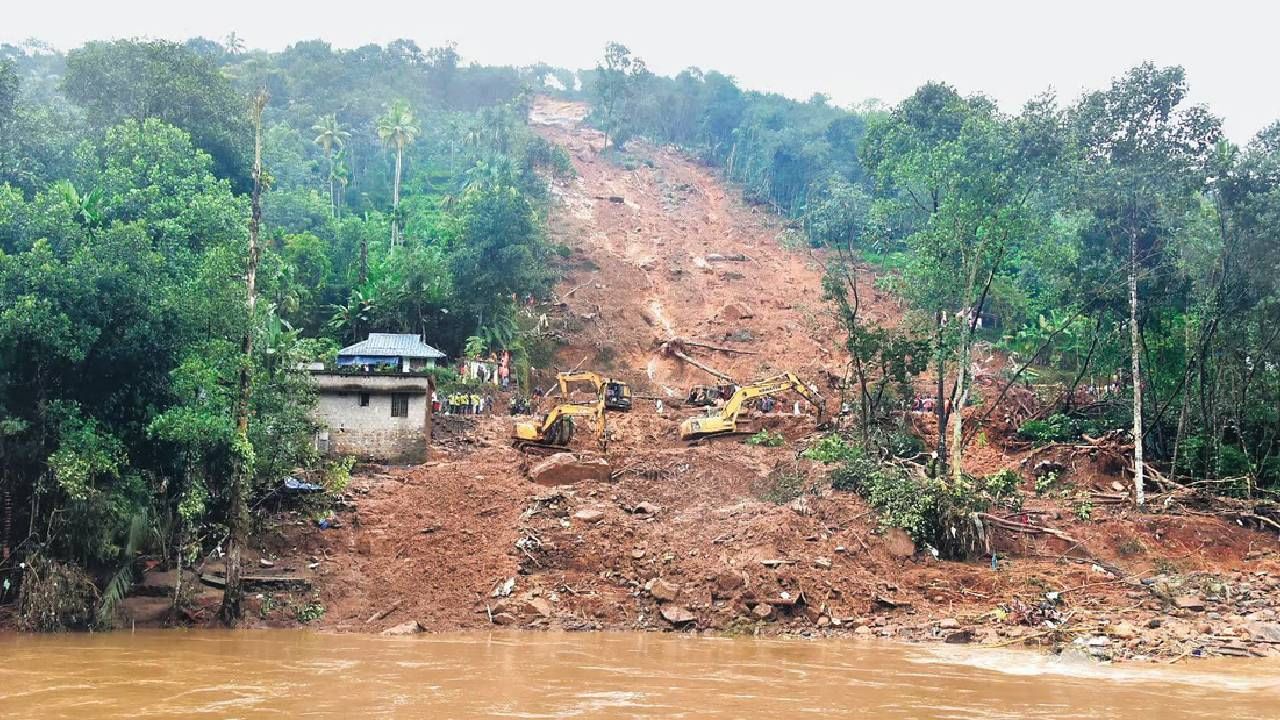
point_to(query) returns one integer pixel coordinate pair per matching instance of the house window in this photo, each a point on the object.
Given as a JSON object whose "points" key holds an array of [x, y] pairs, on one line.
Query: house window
{"points": [[400, 405], [364, 399]]}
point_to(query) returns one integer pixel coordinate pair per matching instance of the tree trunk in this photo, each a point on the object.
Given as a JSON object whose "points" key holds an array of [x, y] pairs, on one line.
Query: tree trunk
{"points": [[364, 257], [1135, 348], [233, 592], [940, 406], [395, 197], [333, 192]]}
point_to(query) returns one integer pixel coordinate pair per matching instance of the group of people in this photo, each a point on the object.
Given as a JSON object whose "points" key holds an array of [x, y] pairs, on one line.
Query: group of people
{"points": [[463, 404], [924, 404], [493, 369]]}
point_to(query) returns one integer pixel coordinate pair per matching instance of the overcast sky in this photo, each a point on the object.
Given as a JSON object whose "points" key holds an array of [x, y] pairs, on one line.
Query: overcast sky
{"points": [[1010, 50]]}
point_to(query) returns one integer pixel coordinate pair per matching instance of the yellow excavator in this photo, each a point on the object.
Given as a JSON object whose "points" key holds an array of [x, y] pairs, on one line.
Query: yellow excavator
{"points": [[555, 430], [726, 420], [617, 394]]}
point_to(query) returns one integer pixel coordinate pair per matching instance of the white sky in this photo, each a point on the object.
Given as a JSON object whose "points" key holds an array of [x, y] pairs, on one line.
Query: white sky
{"points": [[1008, 49]]}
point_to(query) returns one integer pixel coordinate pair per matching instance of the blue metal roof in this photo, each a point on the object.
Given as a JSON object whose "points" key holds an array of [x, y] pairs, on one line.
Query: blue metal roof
{"points": [[392, 345]]}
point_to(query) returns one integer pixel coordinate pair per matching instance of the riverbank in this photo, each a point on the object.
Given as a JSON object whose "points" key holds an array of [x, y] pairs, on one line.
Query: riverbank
{"points": [[454, 545]]}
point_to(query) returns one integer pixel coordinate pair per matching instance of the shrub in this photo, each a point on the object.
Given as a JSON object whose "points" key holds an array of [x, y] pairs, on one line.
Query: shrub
{"points": [[55, 597], [764, 438], [782, 485], [1055, 428], [830, 448]]}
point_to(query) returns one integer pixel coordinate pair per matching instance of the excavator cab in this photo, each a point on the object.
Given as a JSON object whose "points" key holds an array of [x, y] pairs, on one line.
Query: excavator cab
{"points": [[708, 395], [617, 394]]}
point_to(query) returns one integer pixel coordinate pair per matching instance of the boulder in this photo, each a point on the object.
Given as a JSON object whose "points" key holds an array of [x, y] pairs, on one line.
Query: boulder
{"points": [[413, 627], [763, 611], [948, 623], [568, 468], [663, 591], [899, 544], [677, 615], [1121, 631], [1189, 602], [863, 631], [734, 312], [589, 515], [538, 606], [726, 584], [960, 637]]}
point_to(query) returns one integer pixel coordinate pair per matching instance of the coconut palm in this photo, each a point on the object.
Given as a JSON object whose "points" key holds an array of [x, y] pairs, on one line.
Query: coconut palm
{"points": [[330, 136], [235, 44], [396, 129]]}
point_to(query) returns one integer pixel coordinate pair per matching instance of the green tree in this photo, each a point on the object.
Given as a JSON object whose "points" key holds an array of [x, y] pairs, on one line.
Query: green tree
{"points": [[397, 129], [1144, 157], [331, 137], [155, 79]]}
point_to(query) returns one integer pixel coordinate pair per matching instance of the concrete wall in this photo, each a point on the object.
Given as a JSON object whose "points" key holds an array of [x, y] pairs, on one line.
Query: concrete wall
{"points": [[370, 433]]}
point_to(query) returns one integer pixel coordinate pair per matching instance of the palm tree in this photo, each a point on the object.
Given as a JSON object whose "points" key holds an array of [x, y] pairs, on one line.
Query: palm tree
{"points": [[234, 43], [397, 129], [330, 135]]}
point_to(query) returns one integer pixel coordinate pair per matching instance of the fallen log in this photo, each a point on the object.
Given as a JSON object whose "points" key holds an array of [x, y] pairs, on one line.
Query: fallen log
{"points": [[667, 349]]}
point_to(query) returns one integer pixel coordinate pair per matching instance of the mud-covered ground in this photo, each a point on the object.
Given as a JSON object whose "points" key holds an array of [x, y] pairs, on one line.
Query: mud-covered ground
{"points": [[726, 537]]}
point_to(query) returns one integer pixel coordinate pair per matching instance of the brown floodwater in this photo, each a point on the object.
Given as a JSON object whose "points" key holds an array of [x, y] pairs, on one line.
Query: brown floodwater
{"points": [[295, 674]]}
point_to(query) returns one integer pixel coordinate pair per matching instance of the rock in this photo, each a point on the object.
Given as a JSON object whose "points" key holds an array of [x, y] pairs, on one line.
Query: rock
{"points": [[646, 508], [1121, 631], [734, 312], [1189, 602], [1269, 632], [899, 544], [263, 562], [413, 627], [663, 591], [742, 335], [589, 515], [1154, 623], [637, 553], [567, 468], [822, 563], [823, 621], [539, 606], [862, 631], [504, 588], [960, 637], [948, 623], [677, 615], [726, 584], [763, 611], [504, 619]]}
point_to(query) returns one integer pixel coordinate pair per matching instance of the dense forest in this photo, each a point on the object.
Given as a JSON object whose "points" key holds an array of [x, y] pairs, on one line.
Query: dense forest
{"points": [[401, 192], [1116, 248]]}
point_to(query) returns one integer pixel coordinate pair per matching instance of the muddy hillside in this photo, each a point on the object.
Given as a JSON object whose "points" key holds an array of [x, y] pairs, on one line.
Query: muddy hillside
{"points": [[666, 261]]}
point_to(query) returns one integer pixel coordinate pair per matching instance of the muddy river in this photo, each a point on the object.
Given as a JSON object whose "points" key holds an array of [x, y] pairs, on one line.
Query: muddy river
{"points": [[286, 674]]}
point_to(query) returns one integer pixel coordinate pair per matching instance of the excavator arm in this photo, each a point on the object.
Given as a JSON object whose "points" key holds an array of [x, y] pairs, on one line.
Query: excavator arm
{"points": [[726, 420], [556, 428]]}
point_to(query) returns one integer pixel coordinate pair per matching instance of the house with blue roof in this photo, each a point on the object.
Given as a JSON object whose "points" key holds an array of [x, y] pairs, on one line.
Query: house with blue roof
{"points": [[407, 353]]}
